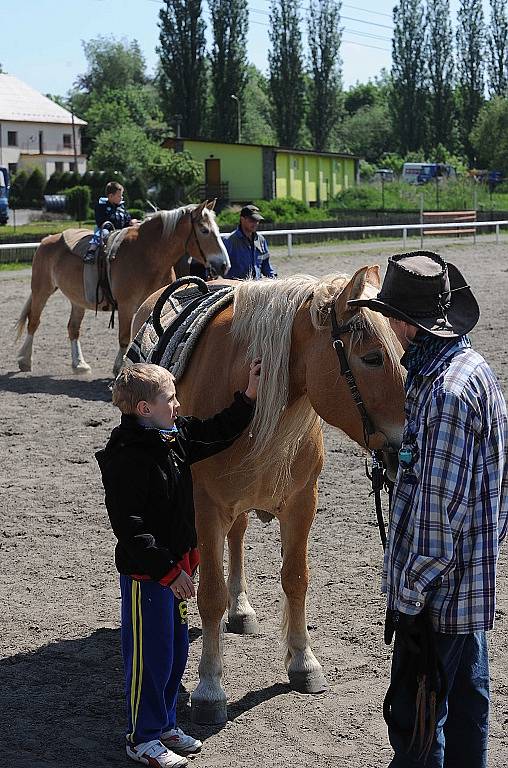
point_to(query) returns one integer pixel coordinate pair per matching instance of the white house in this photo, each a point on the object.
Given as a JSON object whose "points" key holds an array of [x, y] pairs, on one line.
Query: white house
{"points": [[37, 132]]}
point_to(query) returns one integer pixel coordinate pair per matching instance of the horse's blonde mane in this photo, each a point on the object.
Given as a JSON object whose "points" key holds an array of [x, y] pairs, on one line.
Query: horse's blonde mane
{"points": [[263, 317], [171, 219]]}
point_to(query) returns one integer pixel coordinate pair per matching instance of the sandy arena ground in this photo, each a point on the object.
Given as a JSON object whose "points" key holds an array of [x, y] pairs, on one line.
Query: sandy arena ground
{"points": [[61, 699]]}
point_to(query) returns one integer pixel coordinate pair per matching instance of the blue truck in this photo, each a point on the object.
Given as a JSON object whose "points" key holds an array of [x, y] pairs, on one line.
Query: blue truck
{"points": [[4, 194]]}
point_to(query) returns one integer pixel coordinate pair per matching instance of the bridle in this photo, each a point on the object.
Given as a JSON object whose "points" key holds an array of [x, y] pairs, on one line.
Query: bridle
{"points": [[196, 238], [377, 475]]}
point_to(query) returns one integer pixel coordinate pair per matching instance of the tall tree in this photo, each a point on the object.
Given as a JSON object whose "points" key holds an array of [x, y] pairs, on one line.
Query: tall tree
{"points": [[183, 67], [498, 48], [470, 61], [230, 23], [439, 54], [111, 64], [285, 59], [324, 37], [408, 102]]}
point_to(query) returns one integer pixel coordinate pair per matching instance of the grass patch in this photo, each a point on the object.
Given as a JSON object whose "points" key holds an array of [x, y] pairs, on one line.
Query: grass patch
{"points": [[41, 228], [13, 265]]}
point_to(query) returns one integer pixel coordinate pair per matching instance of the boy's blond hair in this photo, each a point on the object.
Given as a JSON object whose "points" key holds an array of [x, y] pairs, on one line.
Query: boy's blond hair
{"points": [[141, 381]]}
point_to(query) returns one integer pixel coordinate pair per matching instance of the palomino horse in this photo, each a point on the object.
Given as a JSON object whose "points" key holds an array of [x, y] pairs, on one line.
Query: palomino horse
{"points": [[144, 262], [274, 465]]}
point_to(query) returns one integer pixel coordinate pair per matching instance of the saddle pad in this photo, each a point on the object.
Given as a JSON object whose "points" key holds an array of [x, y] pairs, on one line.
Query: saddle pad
{"points": [[77, 240], [184, 317]]}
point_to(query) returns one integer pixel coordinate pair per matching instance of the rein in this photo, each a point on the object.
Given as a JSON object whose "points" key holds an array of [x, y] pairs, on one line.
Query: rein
{"points": [[196, 238], [377, 475]]}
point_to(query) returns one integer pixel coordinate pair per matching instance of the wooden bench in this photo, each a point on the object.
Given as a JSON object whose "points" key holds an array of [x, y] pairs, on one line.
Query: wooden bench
{"points": [[445, 217]]}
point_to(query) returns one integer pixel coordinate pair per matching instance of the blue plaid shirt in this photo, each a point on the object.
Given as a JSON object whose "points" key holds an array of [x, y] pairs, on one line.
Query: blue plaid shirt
{"points": [[450, 509]]}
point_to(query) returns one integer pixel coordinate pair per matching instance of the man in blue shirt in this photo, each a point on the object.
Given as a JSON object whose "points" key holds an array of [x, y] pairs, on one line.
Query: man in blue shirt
{"points": [[449, 515], [248, 251]]}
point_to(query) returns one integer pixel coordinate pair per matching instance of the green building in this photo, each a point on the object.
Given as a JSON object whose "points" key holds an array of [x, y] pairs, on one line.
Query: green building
{"points": [[238, 173]]}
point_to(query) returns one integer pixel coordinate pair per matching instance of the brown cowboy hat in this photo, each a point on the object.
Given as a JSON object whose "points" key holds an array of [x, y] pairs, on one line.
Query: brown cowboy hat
{"points": [[422, 289]]}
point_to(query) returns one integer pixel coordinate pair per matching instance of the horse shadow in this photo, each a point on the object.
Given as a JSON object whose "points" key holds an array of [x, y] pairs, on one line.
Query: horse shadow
{"points": [[63, 704], [79, 388]]}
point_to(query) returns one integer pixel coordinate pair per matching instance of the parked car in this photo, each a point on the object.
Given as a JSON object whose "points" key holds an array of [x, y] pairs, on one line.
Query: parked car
{"points": [[422, 173], [4, 194]]}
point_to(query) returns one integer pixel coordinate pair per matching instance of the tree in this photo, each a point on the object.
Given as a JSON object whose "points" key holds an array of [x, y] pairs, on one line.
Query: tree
{"points": [[182, 58], [285, 60], [257, 125], [367, 133], [498, 48], [359, 96], [34, 189], [489, 137], [17, 190], [126, 148], [111, 64], [408, 100], [230, 23], [324, 37], [440, 69], [470, 49], [175, 174]]}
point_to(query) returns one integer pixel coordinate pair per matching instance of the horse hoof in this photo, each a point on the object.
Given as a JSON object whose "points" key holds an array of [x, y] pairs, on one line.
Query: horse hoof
{"points": [[24, 366], [242, 625], [209, 712], [308, 682], [81, 368]]}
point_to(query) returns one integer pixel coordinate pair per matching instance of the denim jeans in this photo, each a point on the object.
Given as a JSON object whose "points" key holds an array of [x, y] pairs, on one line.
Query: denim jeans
{"points": [[462, 720]]}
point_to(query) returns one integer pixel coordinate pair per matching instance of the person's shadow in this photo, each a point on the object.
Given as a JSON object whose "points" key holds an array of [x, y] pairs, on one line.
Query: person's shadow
{"points": [[64, 704], [79, 388]]}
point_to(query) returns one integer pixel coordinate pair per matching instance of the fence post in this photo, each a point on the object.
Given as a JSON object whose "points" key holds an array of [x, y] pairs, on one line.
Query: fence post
{"points": [[290, 244], [497, 234], [421, 221], [404, 236]]}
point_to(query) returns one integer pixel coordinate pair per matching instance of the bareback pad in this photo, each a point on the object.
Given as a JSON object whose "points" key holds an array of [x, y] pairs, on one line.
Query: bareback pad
{"points": [[184, 316]]}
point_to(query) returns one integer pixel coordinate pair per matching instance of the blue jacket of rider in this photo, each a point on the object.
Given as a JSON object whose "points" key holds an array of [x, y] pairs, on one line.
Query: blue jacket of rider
{"points": [[116, 214]]}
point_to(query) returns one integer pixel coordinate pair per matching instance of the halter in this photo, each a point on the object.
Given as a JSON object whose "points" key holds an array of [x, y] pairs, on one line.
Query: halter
{"points": [[193, 232], [377, 475]]}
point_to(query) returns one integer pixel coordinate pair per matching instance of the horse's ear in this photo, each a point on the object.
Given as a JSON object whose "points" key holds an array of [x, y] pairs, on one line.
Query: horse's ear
{"points": [[198, 212], [356, 286], [210, 204]]}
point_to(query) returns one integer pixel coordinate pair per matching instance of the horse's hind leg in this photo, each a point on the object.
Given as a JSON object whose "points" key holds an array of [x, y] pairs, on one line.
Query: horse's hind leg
{"points": [[125, 315], [41, 291], [241, 615], [296, 516], [79, 364]]}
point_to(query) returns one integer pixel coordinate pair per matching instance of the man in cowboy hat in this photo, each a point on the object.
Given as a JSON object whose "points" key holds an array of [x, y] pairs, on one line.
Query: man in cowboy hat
{"points": [[449, 515]]}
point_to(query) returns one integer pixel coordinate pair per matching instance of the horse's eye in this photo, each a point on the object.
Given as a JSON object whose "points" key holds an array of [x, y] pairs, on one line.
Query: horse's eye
{"points": [[373, 359], [204, 231]]}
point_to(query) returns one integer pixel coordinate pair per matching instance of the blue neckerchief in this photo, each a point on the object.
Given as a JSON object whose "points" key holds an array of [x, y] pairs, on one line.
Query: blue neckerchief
{"points": [[422, 350], [166, 434]]}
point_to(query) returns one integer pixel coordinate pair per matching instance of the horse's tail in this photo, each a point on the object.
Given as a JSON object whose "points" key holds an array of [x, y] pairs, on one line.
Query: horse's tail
{"points": [[25, 314]]}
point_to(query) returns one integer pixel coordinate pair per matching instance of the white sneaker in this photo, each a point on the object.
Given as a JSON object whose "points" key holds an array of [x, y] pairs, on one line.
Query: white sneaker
{"points": [[180, 743], [155, 754]]}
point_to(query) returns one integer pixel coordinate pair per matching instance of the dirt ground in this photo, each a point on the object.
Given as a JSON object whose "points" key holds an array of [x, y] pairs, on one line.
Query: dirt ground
{"points": [[61, 698]]}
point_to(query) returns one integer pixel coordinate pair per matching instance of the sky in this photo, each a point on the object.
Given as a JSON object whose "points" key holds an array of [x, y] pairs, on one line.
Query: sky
{"points": [[43, 42]]}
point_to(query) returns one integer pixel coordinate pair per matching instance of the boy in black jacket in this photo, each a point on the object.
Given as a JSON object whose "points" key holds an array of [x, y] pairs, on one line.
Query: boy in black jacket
{"points": [[147, 478]]}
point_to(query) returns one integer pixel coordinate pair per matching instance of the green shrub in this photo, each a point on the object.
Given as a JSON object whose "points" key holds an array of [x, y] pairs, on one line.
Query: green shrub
{"points": [[78, 202], [137, 213], [33, 191]]}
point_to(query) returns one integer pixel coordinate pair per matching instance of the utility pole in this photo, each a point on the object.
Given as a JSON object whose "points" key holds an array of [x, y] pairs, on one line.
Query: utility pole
{"points": [[238, 117], [74, 141]]}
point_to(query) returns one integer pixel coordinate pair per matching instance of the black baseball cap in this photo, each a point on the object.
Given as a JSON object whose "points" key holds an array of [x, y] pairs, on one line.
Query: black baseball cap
{"points": [[251, 212]]}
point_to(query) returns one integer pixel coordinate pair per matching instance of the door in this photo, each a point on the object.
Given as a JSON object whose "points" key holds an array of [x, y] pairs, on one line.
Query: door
{"points": [[212, 177]]}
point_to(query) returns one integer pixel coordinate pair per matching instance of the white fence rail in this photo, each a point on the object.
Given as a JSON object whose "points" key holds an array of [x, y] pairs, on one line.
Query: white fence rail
{"points": [[290, 233]]}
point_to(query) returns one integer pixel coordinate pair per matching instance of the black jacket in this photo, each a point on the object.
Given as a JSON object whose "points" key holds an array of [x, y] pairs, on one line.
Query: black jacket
{"points": [[148, 484]]}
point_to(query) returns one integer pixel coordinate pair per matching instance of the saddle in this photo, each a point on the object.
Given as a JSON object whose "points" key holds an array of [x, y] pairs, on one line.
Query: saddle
{"points": [[180, 315], [97, 274]]}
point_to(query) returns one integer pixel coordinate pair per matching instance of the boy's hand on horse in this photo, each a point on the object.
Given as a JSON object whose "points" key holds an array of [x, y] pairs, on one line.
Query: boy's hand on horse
{"points": [[183, 587], [252, 387]]}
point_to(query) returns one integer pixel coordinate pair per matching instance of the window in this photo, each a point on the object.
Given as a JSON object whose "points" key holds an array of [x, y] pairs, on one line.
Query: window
{"points": [[58, 167], [12, 138], [67, 140], [72, 167], [13, 167]]}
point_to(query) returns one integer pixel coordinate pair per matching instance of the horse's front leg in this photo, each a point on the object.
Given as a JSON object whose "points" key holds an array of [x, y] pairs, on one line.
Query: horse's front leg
{"points": [[209, 699], [296, 516], [79, 364], [125, 315], [241, 616]]}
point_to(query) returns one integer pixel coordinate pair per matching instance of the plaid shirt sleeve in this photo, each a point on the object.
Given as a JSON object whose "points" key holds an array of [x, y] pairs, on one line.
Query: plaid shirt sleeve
{"points": [[442, 501]]}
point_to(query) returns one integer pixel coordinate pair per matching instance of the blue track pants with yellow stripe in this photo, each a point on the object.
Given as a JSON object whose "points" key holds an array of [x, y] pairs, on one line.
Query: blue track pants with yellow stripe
{"points": [[155, 646]]}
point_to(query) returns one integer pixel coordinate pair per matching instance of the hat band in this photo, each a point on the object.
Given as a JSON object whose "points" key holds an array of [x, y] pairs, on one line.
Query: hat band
{"points": [[438, 310]]}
